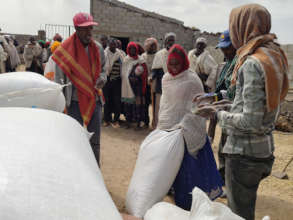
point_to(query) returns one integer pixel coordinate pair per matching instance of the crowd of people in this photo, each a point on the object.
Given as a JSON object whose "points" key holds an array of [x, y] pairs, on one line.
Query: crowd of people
{"points": [[9, 58], [243, 96]]}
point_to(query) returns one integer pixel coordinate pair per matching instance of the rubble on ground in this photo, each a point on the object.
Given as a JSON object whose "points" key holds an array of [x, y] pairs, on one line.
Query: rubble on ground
{"points": [[285, 120]]}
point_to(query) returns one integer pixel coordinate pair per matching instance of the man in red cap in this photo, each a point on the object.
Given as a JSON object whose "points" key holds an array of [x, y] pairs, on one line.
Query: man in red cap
{"points": [[80, 61]]}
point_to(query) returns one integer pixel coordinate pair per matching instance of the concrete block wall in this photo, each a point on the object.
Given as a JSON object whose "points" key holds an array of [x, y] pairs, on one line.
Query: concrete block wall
{"points": [[123, 20]]}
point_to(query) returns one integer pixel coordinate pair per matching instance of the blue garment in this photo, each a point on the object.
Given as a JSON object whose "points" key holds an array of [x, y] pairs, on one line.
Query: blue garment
{"points": [[201, 172]]}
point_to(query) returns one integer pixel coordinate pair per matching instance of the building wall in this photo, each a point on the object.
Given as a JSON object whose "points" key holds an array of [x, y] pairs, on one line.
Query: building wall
{"points": [[122, 20]]}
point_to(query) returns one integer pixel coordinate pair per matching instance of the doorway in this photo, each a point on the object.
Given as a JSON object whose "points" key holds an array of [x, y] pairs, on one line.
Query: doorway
{"points": [[124, 41]]}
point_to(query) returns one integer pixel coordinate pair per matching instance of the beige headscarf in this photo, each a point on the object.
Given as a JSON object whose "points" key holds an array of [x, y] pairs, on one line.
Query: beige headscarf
{"points": [[149, 42], [250, 27]]}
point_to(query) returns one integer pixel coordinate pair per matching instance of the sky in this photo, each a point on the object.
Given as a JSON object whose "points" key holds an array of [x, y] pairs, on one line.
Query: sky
{"points": [[28, 16]]}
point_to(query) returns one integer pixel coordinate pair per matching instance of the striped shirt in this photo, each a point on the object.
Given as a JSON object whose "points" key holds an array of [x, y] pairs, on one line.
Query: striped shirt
{"points": [[249, 124], [116, 69]]}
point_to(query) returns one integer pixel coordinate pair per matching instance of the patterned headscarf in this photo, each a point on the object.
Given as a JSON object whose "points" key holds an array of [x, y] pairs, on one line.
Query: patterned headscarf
{"points": [[250, 27]]}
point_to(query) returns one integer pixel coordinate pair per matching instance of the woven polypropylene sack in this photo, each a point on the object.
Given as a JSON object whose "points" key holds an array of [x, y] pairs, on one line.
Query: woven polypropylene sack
{"points": [[157, 165], [28, 89], [204, 209], [168, 211], [48, 170]]}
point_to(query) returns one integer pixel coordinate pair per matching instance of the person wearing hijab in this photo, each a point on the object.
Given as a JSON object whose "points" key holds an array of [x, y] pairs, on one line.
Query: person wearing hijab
{"points": [[159, 68], [134, 80], [198, 167], [151, 46], [261, 80]]}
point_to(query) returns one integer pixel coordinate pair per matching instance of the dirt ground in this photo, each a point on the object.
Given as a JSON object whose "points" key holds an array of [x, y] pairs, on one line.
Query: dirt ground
{"points": [[119, 152]]}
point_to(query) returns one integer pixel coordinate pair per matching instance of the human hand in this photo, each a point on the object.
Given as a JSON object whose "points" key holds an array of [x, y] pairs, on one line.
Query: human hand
{"points": [[223, 105], [222, 102], [204, 98], [206, 111], [99, 84]]}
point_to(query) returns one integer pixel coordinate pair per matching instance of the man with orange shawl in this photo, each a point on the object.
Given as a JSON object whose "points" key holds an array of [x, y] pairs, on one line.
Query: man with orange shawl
{"points": [[261, 82], [80, 61]]}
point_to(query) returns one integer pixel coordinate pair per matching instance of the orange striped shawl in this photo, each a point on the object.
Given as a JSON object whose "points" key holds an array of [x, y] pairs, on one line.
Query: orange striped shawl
{"points": [[83, 72]]}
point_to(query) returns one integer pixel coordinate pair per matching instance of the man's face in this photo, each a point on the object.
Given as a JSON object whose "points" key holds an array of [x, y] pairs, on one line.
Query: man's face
{"points": [[152, 49], [229, 52], [112, 46], [84, 34], [119, 44], [104, 42], [199, 48], [169, 42]]}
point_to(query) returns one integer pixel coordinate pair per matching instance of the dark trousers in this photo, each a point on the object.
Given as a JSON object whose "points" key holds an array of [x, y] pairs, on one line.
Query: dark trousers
{"points": [[94, 125], [112, 94], [221, 156], [147, 104], [139, 110], [212, 129], [129, 112], [243, 176], [35, 68]]}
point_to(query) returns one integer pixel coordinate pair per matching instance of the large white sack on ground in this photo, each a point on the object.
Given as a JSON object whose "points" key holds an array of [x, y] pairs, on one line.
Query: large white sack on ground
{"points": [[202, 209], [48, 170], [166, 211], [28, 89], [156, 168]]}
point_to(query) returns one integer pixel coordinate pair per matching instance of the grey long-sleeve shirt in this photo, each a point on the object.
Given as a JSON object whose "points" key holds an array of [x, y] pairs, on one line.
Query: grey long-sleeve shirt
{"points": [[249, 124]]}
